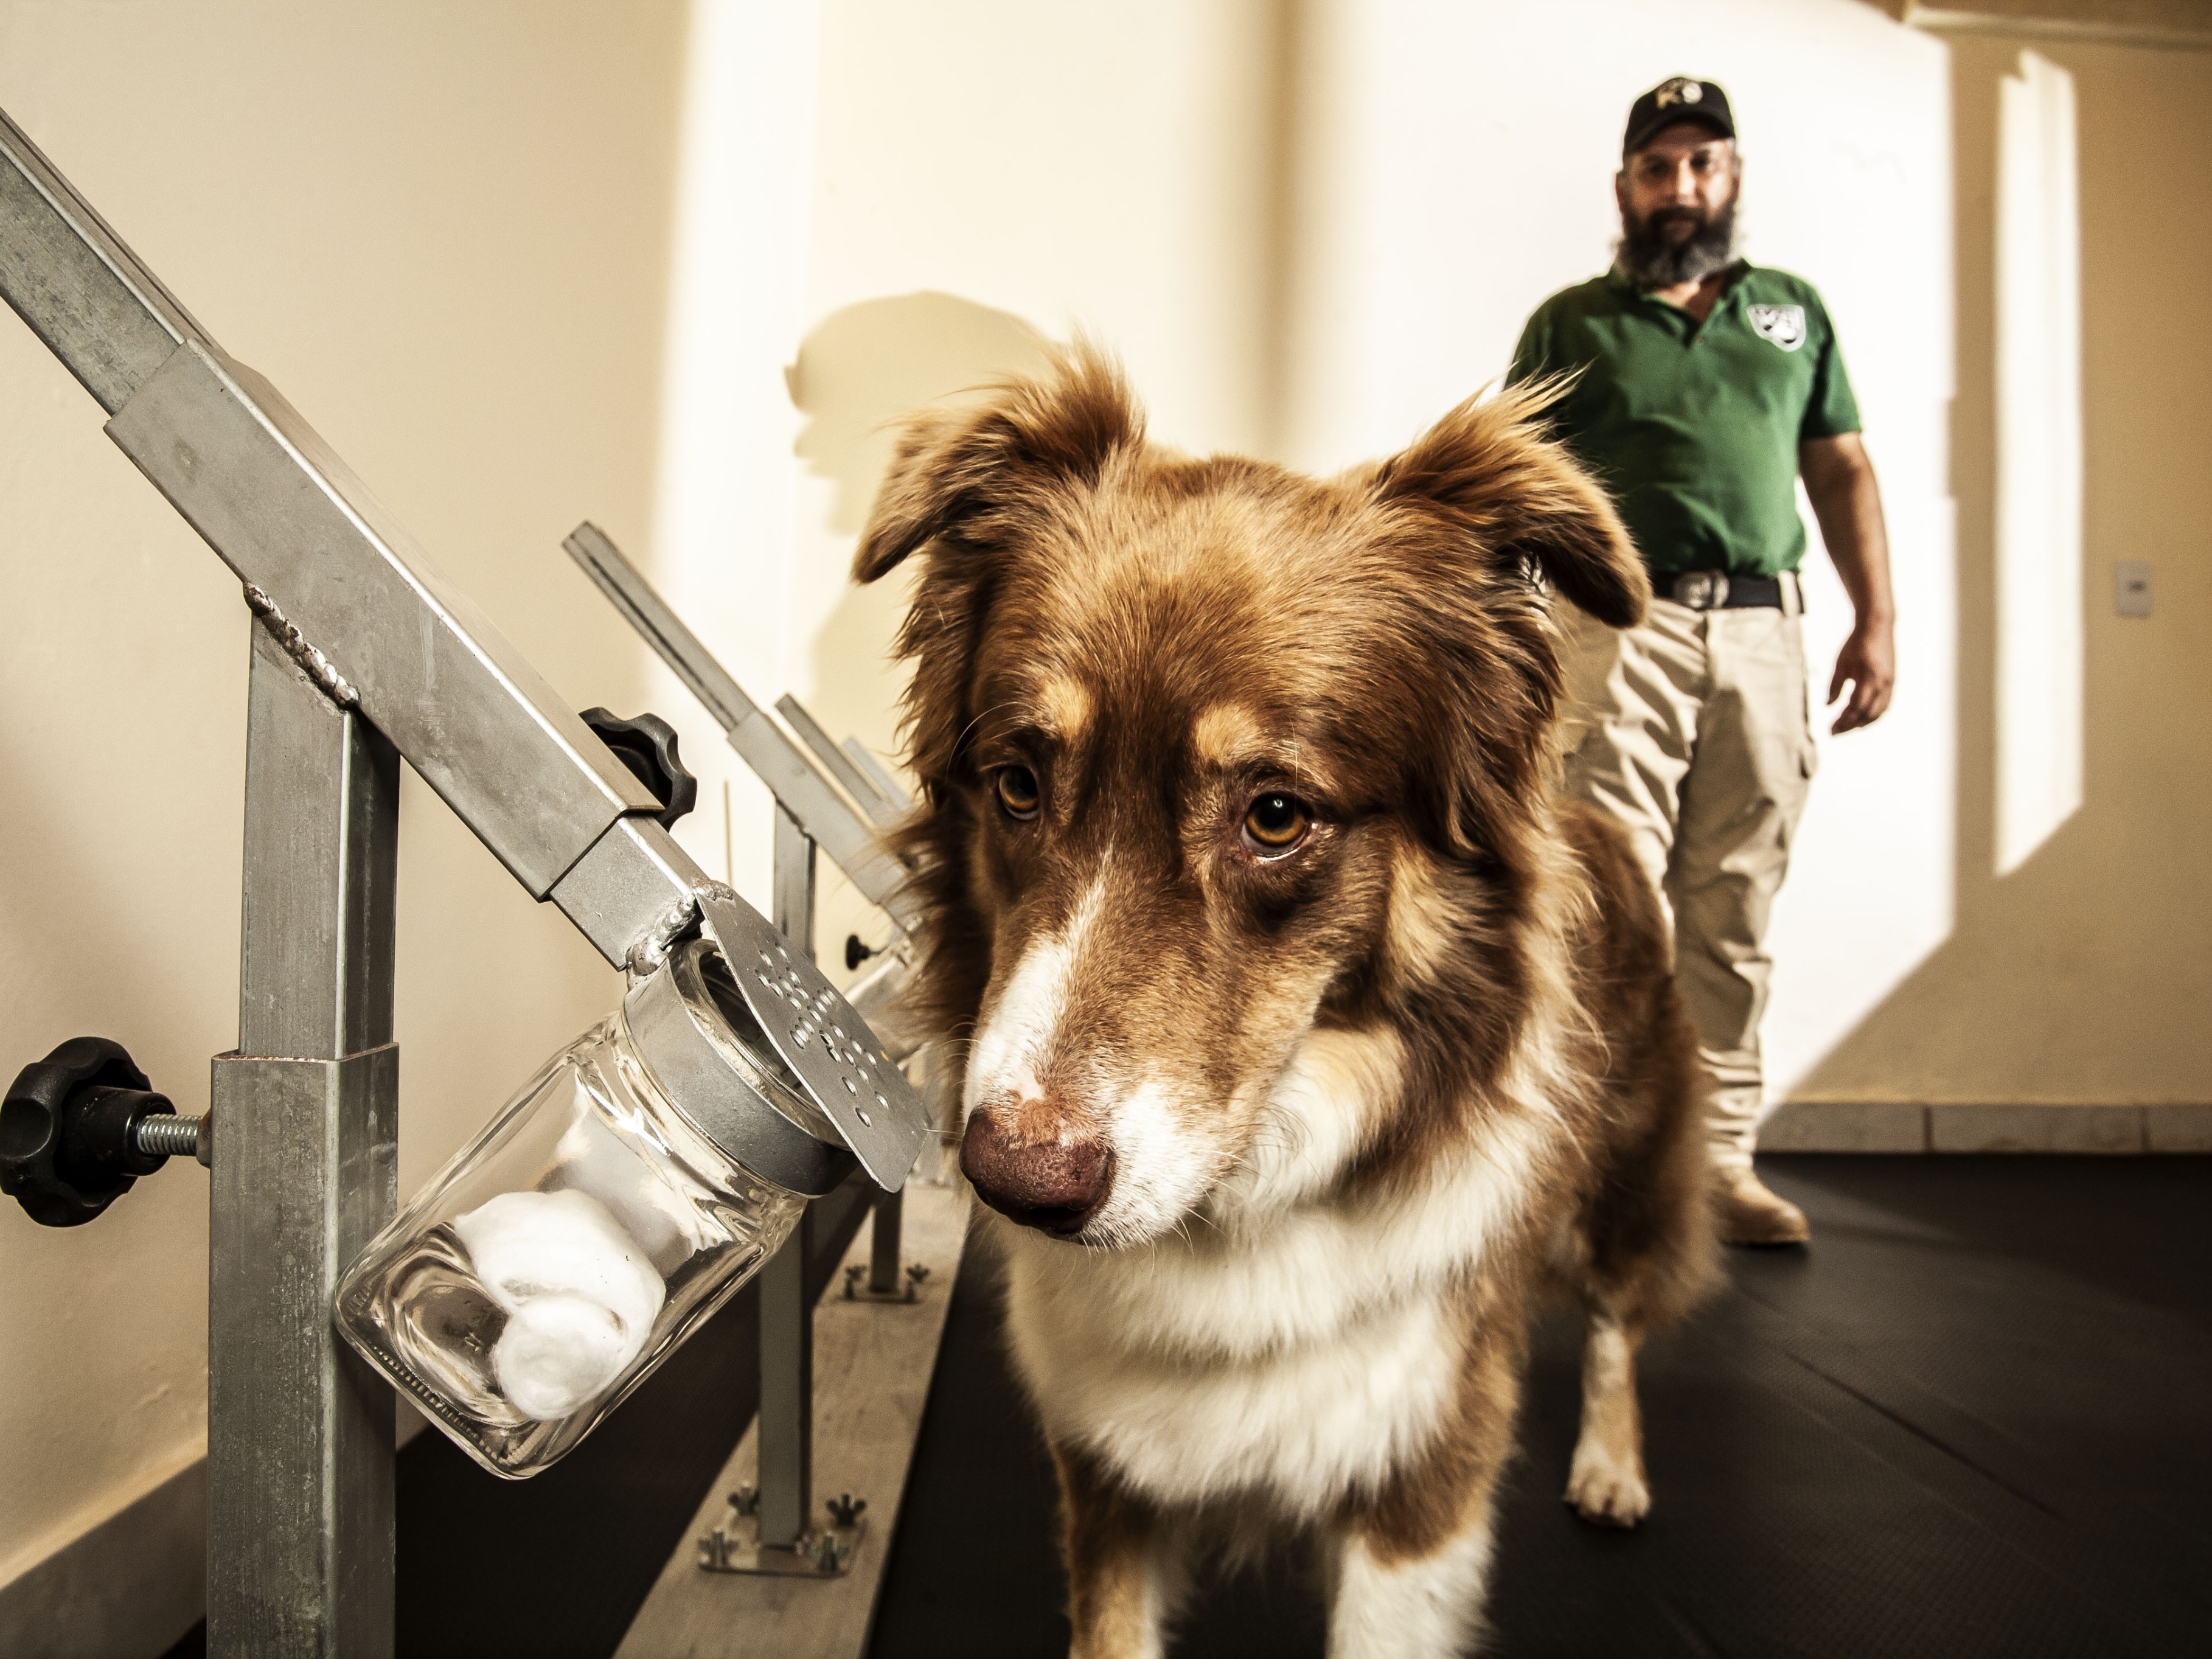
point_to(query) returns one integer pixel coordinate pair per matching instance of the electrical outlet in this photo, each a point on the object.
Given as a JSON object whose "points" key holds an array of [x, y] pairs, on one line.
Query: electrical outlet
{"points": [[2131, 587]]}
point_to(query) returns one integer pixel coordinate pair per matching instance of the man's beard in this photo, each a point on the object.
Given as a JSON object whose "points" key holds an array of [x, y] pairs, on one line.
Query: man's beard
{"points": [[1647, 260]]}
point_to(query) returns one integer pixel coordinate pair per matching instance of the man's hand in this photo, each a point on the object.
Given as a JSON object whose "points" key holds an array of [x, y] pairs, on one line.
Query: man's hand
{"points": [[1867, 664], [1840, 481]]}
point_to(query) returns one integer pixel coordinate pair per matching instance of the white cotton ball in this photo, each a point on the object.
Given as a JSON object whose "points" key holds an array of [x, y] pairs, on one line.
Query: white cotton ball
{"points": [[580, 1296], [593, 1158], [526, 1245], [558, 1352]]}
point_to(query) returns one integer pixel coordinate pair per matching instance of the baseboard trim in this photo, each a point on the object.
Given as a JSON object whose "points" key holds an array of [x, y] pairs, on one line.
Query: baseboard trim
{"points": [[127, 1590], [1898, 1126]]}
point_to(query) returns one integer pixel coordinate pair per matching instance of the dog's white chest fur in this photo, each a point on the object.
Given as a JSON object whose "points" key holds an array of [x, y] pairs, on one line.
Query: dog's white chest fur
{"points": [[1289, 1346], [1301, 1424]]}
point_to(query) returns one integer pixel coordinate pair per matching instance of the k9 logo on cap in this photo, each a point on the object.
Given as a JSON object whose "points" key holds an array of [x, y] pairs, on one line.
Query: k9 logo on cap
{"points": [[1781, 325]]}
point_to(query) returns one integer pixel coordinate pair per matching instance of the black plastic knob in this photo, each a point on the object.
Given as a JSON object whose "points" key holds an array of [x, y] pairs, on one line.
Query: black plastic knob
{"points": [[647, 746], [68, 1131]]}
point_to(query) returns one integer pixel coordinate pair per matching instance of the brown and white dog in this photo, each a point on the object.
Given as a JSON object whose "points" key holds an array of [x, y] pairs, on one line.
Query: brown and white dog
{"points": [[1310, 1030]]}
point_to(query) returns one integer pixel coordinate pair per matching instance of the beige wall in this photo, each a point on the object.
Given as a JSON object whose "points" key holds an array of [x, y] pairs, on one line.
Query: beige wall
{"points": [[1306, 237], [443, 231], [2082, 977]]}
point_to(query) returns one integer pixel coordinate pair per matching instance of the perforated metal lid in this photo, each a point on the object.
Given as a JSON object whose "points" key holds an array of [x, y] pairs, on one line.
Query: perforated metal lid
{"points": [[696, 1034], [827, 1047]]}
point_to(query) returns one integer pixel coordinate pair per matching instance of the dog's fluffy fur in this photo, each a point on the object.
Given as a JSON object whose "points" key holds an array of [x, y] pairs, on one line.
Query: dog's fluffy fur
{"points": [[1305, 1130]]}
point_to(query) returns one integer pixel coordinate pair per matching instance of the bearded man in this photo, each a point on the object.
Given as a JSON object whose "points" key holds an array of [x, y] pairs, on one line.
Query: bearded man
{"points": [[1702, 387]]}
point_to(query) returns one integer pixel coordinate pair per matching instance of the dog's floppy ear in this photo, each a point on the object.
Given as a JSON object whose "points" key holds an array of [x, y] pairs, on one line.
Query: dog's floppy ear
{"points": [[961, 469], [1489, 469]]}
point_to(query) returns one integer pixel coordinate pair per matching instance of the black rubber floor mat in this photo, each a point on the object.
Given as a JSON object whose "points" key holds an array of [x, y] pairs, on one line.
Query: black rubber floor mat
{"points": [[1970, 1423]]}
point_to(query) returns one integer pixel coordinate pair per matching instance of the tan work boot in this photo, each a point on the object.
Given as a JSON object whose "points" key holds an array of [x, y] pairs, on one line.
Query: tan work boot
{"points": [[1749, 1214]]}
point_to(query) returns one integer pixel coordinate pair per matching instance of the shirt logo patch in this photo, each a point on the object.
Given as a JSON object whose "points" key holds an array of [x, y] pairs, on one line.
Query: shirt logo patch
{"points": [[1780, 325]]}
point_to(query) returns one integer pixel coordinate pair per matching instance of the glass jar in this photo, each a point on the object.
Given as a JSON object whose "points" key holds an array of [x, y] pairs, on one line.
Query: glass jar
{"points": [[561, 1256]]}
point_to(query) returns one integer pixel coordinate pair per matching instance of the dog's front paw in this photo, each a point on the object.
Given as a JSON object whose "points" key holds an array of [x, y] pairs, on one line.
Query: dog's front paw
{"points": [[1606, 1489]]}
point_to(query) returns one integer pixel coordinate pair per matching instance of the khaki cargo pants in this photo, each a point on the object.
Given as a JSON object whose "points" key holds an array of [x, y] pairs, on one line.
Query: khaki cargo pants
{"points": [[1695, 731]]}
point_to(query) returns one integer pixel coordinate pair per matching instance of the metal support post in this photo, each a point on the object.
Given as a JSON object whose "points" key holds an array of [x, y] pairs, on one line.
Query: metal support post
{"points": [[786, 1392], [883, 1244], [787, 1313], [299, 1538]]}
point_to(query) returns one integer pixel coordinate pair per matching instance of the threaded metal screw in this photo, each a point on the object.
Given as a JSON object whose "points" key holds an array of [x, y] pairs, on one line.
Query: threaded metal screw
{"points": [[164, 1134]]}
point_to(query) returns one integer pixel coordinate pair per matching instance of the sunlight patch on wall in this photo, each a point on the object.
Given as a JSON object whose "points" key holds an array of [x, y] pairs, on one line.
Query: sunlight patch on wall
{"points": [[722, 532], [2039, 507]]}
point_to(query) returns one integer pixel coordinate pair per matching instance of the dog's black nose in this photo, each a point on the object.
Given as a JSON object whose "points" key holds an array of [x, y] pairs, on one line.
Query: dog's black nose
{"points": [[1055, 1185]]}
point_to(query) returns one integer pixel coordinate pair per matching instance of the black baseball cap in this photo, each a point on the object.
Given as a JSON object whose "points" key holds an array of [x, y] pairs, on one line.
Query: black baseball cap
{"points": [[1678, 99]]}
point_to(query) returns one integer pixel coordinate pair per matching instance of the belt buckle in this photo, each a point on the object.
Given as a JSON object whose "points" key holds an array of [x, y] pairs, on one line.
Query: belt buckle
{"points": [[1702, 590]]}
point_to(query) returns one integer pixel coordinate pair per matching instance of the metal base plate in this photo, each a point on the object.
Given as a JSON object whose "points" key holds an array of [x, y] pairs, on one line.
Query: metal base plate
{"points": [[859, 1289], [734, 1546]]}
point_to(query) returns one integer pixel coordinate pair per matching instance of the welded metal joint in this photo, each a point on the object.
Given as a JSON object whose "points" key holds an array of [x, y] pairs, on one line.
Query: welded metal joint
{"points": [[313, 663], [654, 944]]}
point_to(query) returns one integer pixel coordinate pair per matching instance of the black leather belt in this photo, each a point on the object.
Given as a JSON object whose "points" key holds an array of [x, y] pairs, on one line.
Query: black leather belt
{"points": [[1717, 590]]}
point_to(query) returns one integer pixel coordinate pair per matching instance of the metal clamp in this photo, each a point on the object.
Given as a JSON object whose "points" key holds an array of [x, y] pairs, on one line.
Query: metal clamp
{"points": [[78, 1128]]}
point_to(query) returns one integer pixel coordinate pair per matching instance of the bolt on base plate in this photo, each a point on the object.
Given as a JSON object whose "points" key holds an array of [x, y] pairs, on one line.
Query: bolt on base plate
{"points": [[858, 1289], [825, 1552]]}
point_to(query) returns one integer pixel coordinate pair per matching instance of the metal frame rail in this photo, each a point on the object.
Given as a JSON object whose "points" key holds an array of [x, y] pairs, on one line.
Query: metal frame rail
{"points": [[809, 813], [366, 656]]}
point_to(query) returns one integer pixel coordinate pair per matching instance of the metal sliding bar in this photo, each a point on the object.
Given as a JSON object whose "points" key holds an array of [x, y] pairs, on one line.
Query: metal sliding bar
{"points": [[888, 790], [881, 808], [808, 809], [847, 835], [883, 1244], [358, 606], [82, 292]]}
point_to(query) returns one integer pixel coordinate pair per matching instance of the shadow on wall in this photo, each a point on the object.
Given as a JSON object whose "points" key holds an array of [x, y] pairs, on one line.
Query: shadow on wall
{"points": [[859, 372], [2081, 957]]}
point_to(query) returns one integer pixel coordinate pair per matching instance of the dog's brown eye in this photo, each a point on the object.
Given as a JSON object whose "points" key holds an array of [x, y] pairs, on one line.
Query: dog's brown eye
{"points": [[1017, 791], [1276, 822]]}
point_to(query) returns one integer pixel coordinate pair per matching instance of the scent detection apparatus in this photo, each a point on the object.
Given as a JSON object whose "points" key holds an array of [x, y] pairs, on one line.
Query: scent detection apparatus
{"points": [[647, 1170]]}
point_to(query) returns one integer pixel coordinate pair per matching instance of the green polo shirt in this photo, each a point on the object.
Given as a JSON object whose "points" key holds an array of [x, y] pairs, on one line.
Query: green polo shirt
{"points": [[1692, 427]]}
